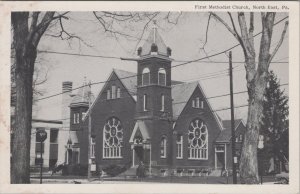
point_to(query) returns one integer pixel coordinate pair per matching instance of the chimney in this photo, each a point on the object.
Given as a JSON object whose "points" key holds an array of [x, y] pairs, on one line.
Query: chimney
{"points": [[65, 118]]}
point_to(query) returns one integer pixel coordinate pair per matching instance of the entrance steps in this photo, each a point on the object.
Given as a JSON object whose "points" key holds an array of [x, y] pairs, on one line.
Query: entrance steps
{"points": [[131, 172]]}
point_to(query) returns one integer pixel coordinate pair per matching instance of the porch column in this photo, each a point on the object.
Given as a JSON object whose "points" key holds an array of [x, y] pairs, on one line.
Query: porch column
{"points": [[225, 155], [215, 159], [150, 165]]}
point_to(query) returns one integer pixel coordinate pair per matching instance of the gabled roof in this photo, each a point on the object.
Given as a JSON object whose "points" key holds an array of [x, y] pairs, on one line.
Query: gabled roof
{"points": [[128, 79], [227, 123], [225, 135], [154, 37], [181, 93], [140, 127]]}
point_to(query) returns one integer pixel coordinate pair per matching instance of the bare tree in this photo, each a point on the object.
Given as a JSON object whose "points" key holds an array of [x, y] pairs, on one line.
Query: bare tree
{"points": [[256, 76], [27, 32], [28, 29]]}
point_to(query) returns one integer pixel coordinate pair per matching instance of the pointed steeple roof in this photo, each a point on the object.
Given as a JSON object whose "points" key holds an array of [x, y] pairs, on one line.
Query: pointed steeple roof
{"points": [[82, 96], [154, 40]]}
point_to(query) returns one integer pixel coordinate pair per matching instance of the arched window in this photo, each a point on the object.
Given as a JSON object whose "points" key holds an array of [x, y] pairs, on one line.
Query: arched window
{"points": [[112, 138], [163, 147], [145, 77], [162, 103], [179, 146], [162, 76], [197, 140]]}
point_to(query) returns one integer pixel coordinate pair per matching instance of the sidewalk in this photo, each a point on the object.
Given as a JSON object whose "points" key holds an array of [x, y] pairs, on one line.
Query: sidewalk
{"points": [[58, 179]]}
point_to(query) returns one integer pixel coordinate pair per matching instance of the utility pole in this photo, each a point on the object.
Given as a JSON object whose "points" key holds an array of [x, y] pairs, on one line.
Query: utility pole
{"points": [[89, 135], [234, 159], [42, 161]]}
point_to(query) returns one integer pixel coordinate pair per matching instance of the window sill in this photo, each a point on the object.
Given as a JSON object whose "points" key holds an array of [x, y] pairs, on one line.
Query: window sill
{"points": [[112, 158], [197, 158], [112, 99], [179, 158], [163, 86], [163, 157]]}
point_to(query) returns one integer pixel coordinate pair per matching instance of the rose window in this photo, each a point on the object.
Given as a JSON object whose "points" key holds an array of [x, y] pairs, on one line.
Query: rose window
{"points": [[197, 139], [112, 138]]}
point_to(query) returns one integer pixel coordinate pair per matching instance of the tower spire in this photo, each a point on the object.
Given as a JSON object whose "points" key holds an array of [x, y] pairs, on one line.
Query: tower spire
{"points": [[154, 30]]}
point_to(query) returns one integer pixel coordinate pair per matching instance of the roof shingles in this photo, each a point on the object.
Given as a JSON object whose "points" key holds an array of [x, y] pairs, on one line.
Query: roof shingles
{"points": [[225, 134]]}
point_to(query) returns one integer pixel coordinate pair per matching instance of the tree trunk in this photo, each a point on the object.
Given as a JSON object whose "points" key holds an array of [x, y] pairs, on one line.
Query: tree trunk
{"points": [[248, 161], [25, 58]]}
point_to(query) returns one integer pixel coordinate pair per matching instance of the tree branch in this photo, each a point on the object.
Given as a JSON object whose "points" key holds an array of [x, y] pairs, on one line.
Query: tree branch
{"points": [[280, 42], [238, 36], [106, 29], [206, 33], [41, 27], [226, 25], [265, 42], [176, 20]]}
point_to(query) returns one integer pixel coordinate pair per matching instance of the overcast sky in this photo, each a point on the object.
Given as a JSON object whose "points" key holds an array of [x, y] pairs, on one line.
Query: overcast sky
{"points": [[185, 39]]}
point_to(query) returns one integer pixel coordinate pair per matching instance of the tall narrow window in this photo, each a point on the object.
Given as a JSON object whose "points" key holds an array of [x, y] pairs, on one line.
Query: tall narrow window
{"points": [[193, 103], [74, 118], [201, 104], [145, 103], [145, 77], [162, 77], [76, 155], [119, 93], [163, 147], [162, 103], [93, 143], [77, 118], [179, 145], [113, 92], [83, 115], [197, 102], [53, 135], [241, 137], [108, 94]]}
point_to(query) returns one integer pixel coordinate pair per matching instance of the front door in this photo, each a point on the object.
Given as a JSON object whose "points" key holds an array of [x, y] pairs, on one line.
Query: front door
{"points": [[220, 160], [139, 152]]}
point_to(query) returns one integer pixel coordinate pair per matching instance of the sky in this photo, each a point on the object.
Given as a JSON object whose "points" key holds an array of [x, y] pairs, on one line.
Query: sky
{"points": [[185, 38]]}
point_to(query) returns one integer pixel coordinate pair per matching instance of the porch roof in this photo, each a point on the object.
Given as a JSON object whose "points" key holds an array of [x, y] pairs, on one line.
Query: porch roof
{"points": [[142, 128]]}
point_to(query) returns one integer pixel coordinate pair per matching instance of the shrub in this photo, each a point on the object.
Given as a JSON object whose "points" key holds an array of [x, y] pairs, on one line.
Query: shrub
{"points": [[114, 170]]}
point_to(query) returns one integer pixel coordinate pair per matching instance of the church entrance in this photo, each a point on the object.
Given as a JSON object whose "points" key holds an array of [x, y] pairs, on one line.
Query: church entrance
{"points": [[220, 157], [139, 153]]}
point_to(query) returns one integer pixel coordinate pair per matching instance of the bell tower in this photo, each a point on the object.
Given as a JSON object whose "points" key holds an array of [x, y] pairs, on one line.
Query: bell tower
{"points": [[154, 98], [154, 102]]}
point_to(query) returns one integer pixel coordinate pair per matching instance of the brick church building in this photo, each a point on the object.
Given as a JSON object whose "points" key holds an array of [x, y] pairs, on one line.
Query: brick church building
{"points": [[146, 116]]}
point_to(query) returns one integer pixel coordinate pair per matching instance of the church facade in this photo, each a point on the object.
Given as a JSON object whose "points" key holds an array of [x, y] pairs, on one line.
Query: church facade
{"points": [[146, 116]]}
